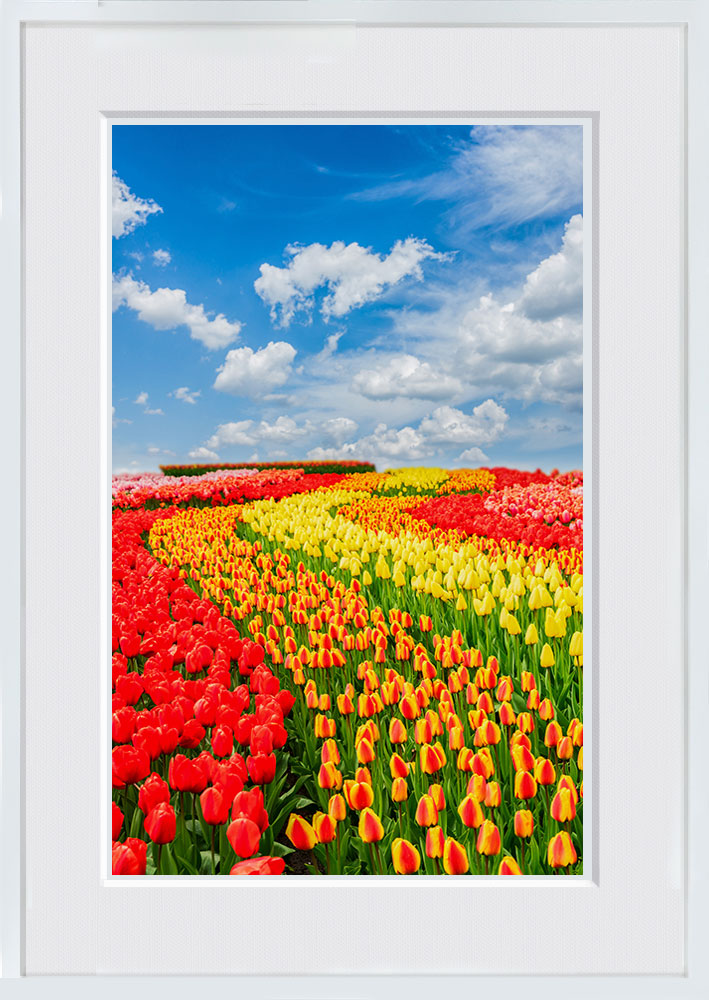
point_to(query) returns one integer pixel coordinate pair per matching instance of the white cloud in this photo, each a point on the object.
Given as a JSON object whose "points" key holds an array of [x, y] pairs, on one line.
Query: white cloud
{"points": [[353, 275], [203, 455], [447, 425], [284, 430], [330, 346], [162, 257], [129, 210], [504, 175], [167, 308], [154, 450], [475, 456], [338, 429], [555, 288], [405, 375], [525, 343], [383, 444], [115, 421], [142, 400], [184, 393], [253, 373]]}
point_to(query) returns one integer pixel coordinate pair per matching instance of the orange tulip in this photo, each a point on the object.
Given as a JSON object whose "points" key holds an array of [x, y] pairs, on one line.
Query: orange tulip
{"points": [[325, 827], [488, 841], [524, 823], [561, 851], [405, 857], [300, 833], [426, 812], [434, 842], [455, 858], [508, 866], [470, 812], [370, 827]]}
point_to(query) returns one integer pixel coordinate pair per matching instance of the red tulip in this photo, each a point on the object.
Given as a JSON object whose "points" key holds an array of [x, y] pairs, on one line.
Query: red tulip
{"points": [[259, 866], [160, 824], [244, 836]]}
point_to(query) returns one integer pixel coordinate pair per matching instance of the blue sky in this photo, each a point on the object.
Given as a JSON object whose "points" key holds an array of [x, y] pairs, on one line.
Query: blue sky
{"points": [[408, 295]]}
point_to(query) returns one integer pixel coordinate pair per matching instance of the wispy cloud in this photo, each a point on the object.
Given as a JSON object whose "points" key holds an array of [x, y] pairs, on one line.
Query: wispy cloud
{"points": [[504, 176]]}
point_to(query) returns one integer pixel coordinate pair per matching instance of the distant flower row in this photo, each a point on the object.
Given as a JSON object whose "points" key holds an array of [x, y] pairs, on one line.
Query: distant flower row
{"points": [[307, 467]]}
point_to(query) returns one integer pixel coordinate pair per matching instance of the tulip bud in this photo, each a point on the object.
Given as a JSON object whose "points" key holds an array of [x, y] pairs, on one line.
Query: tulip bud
{"points": [[524, 823], [470, 812], [525, 785], [370, 827], [477, 787], [488, 841], [552, 734], [244, 836], [434, 842], [544, 771], [561, 851], [161, 823], [325, 827], [336, 808], [398, 768], [438, 796], [493, 796], [531, 636], [508, 866], [547, 656], [563, 807], [455, 858], [397, 731], [215, 806], [565, 748], [405, 857], [399, 790], [300, 833], [426, 812]]}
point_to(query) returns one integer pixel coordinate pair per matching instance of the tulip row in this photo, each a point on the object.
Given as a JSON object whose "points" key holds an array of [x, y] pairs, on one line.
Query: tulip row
{"points": [[188, 690], [319, 468]]}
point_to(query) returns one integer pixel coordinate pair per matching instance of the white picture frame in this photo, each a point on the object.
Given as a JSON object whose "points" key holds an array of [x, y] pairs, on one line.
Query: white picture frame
{"points": [[639, 919]]}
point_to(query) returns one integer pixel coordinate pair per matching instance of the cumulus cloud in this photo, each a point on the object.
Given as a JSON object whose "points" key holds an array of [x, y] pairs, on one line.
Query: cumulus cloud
{"points": [[405, 375], [252, 373], [283, 430], [142, 400], [129, 210], [352, 274], [185, 394], [338, 429], [555, 288], [444, 427], [384, 443], [203, 455], [162, 257], [473, 456], [168, 308], [447, 425]]}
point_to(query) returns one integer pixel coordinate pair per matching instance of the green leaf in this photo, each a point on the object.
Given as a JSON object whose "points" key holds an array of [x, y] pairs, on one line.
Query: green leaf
{"points": [[280, 850], [167, 862]]}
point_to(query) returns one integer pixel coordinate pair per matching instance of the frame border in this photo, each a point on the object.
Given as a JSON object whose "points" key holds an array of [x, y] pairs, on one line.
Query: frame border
{"points": [[688, 13]]}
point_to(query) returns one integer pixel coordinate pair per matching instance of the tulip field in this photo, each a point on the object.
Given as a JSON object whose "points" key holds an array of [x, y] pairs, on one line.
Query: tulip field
{"points": [[328, 670]]}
